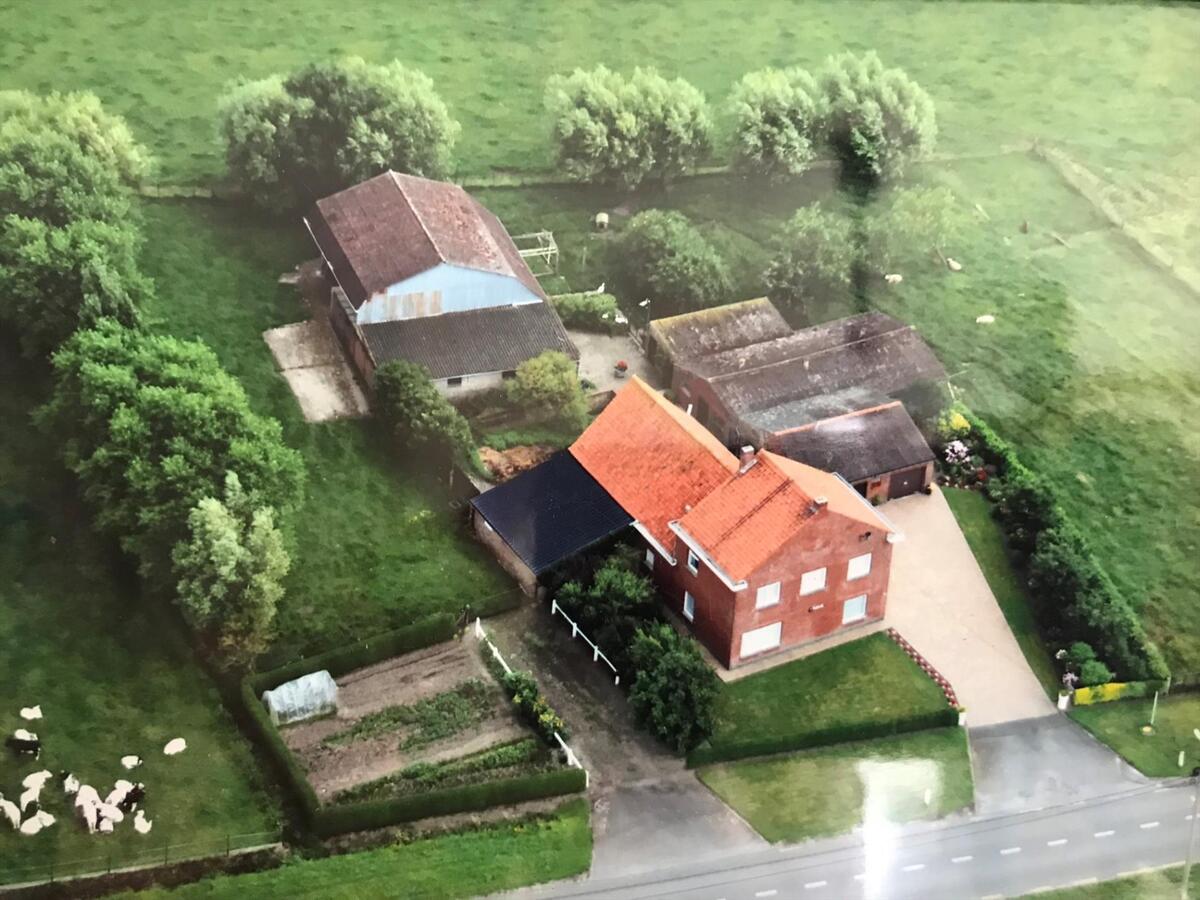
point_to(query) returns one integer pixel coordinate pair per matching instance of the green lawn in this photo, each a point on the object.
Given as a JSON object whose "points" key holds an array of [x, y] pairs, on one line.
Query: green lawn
{"points": [[492, 859], [1119, 725], [974, 515], [378, 543], [864, 683], [829, 791], [1163, 884], [112, 673]]}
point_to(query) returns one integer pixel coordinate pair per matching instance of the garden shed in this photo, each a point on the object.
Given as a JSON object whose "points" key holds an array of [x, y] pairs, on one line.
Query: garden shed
{"points": [[315, 694]]}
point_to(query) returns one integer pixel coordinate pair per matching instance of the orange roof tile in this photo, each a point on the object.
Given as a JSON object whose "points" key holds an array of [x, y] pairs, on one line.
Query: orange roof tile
{"points": [[652, 457], [743, 523]]}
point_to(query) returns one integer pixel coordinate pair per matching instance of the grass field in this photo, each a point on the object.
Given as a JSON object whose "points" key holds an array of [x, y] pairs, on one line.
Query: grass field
{"points": [[474, 863], [378, 543], [974, 515], [112, 674], [1120, 724], [829, 791], [1163, 884], [865, 682]]}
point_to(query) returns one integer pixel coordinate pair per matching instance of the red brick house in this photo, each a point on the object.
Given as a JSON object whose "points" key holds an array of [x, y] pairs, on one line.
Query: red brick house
{"points": [[758, 553]]}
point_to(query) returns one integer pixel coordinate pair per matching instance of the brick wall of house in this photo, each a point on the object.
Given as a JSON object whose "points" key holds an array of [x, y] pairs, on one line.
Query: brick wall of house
{"points": [[722, 616]]}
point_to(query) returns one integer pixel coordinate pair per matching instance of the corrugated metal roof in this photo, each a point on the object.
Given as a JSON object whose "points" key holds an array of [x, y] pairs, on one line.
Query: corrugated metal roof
{"points": [[719, 328], [451, 345], [551, 512], [860, 445], [393, 226]]}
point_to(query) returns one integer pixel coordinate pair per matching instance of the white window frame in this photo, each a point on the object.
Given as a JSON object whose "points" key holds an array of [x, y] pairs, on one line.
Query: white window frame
{"points": [[649, 558], [851, 575], [689, 606], [824, 573], [693, 562], [846, 609], [775, 628], [771, 598]]}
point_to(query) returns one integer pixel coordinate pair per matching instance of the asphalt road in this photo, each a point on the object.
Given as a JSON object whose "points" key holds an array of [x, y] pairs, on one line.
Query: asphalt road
{"points": [[1000, 856]]}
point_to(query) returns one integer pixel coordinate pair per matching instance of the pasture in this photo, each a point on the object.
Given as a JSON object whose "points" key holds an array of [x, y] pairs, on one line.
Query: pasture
{"points": [[113, 675]]}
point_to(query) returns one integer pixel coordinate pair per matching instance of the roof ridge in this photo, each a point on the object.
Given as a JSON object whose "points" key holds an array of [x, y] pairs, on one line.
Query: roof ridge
{"points": [[866, 410], [416, 212]]}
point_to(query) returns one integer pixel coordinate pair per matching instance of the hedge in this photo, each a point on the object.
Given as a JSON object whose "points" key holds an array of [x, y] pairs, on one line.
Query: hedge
{"points": [[1073, 594], [269, 739], [589, 312], [1116, 690], [331, 820], [707, 754]]}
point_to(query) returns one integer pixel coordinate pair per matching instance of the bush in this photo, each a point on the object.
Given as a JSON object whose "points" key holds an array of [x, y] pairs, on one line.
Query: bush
{"points": [[534, 707], [590, 312], [952, 425], [290, 141], [414, 414], [1094, 672], [661, 256], [622, 131], [878, 119], [706, 754], [617, 601], [777, 117], [675, 691], [548, 387], [1079, 653], [812, 271]]}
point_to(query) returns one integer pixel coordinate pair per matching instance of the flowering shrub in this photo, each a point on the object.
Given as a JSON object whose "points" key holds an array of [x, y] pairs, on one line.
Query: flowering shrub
{"points": [[957, 453], [952, 425]]}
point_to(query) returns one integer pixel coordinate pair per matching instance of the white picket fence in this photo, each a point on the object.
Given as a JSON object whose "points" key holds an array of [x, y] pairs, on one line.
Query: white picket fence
{"points": [[572, 759], [576, 631]]}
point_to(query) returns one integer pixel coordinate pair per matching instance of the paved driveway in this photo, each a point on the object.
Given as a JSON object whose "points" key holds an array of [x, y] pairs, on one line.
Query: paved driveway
{"points": [[940, 601]]}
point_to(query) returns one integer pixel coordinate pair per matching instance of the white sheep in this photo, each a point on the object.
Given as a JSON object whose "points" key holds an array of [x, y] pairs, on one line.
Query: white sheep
{"points": [[70, 784], [131, 762], [105, 826], [86, 794], [141, 824], [29, 713], [29, 798], [174, 746], [10, 812], [37, 779], [893, 279], [110, 812], [117, 794]]}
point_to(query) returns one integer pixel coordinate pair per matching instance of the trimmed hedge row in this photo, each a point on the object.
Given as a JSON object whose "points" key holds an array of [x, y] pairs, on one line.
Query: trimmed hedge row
{"points": [[707, 754], [1116, 690], [1075, 599], [369, 814], [326, 821]]}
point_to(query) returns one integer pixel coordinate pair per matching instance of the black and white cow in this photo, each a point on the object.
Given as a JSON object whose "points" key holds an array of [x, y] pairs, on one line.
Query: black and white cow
{"points": [[24, 743]]}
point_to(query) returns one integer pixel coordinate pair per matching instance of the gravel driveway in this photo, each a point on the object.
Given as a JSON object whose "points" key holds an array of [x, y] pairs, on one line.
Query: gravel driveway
{"points": [[940, 601]]}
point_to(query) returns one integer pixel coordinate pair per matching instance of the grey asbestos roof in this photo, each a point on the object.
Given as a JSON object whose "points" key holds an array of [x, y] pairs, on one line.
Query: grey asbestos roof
{"points": [[860, 445], [719, 328], [451, 345]]}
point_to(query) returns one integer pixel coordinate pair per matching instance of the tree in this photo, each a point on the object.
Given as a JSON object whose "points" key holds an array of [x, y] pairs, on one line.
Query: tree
{"points": [[548, 386], [661, 256], [913, 222], [62, 157], [415, 415], [291, 140], [151, 425], [230, 572], [777, 117], [56, 280], [878, 118], [675, 691], [812, 271], [620, 131], [615, 603]]}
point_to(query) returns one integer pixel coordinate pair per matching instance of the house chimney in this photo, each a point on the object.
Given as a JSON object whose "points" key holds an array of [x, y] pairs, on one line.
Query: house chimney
{"points": [[746, 458], [818, 504]]}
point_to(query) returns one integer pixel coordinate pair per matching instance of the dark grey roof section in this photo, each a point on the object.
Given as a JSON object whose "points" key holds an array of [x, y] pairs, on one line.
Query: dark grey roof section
{"points": [[860, 445], [794, 380], [551, 512], [474, 342], [719, 328], [393, 226]]}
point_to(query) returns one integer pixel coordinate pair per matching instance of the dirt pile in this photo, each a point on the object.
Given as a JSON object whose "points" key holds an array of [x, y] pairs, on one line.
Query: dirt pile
{"points": [[504, 464]]}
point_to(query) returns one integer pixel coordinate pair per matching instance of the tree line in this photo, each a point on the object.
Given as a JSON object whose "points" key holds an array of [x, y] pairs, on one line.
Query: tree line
{"points": [[168, 455]]}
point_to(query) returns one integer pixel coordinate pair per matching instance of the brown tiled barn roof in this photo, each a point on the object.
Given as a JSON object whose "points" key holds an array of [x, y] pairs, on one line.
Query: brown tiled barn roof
{"points": [[392, 227], [451, 345]]}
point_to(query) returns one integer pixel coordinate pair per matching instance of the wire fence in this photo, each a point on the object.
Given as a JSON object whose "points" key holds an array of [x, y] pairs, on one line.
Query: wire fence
{"points": [[121, 859]]}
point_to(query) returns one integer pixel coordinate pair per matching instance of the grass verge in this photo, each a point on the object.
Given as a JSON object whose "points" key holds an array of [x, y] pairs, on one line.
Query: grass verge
{"points": [[1119, 725], [491, 859], [986, 540], [831, 790], [1163, 884]]}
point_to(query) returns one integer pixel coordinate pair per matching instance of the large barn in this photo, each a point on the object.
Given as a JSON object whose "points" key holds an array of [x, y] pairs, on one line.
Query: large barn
{"points": [[422, 271]]}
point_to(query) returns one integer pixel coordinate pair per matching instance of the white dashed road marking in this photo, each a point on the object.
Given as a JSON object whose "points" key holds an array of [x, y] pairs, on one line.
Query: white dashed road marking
{"points": [[915, 867], [770, 893], [1147, 825], [1103, 834], [812, 885], [1009, 851], [1057, 843], [962, 859]]}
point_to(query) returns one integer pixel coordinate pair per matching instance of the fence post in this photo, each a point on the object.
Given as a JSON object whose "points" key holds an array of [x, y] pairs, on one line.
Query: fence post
{"points": [[553, 606], [166, 851], [227, 843]]}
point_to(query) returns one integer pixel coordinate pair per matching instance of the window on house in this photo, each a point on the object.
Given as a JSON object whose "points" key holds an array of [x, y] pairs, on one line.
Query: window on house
{"points": [[768, 595], [761, 639], [689, 606], [811, 582], [649, 558], [859, 567], [454, 382], [854, 609], [693, 563]]}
